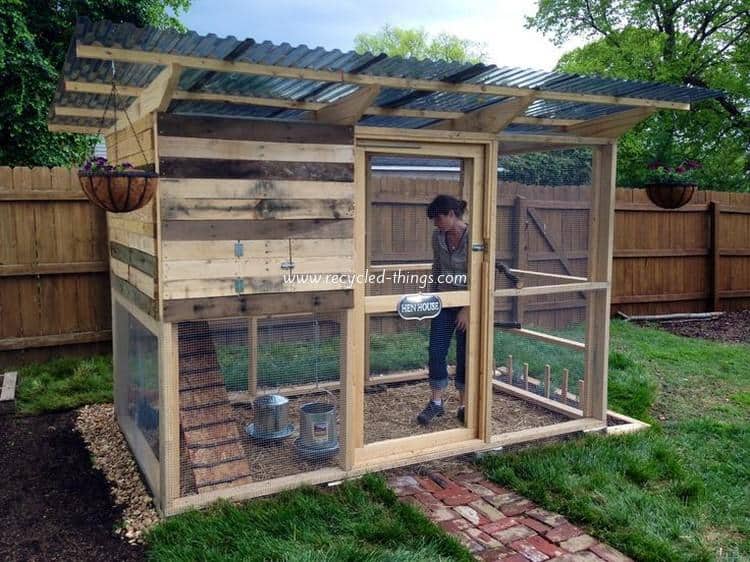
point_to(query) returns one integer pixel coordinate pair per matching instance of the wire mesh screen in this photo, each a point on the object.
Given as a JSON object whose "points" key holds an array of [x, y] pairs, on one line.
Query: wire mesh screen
{"points": [[137, 386], [399, 234], [543, 221], [401, 354], [259, 399], [543, 218]]}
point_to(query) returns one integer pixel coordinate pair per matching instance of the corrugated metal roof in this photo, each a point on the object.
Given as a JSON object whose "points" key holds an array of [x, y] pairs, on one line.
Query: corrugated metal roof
{"points": [[154, 40]]}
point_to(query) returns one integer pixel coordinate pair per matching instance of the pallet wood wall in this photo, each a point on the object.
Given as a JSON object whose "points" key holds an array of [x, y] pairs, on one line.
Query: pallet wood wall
{"points": [[239, 199], [53, 267], [133, 248], [123, 145]]}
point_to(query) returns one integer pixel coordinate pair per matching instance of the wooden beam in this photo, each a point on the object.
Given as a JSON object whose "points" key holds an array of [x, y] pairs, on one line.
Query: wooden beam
{"points": [[95, 113], [54, 340], [490, 119], [170, 87], [80, 129], [349, 109], [611, 126], [218, 65], [601, 240], [102, 88], [151, 98]]}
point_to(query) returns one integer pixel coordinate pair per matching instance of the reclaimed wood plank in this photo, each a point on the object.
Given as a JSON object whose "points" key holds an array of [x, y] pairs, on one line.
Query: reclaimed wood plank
{"points": [[255, 169], [169, 124], [256, 230], [183, 147]]}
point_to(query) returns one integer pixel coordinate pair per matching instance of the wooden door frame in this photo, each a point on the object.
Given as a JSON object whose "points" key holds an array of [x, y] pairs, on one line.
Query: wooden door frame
{"points": [[479, 155]]}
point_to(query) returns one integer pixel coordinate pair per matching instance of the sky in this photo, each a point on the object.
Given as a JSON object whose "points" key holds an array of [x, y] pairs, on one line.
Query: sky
{"points": [[498, 24]]}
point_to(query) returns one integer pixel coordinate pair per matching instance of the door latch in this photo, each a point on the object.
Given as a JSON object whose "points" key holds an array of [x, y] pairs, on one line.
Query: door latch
{"points": [[478, 247]]}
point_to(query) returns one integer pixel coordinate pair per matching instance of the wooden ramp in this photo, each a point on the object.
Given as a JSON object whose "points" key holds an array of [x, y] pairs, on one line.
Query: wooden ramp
{"points": [[207, 422]]}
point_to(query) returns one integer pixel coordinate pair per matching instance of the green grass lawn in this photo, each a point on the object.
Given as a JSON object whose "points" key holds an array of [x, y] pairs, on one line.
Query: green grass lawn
{"points": [[680, 491], [63, 384], [357, 521]]}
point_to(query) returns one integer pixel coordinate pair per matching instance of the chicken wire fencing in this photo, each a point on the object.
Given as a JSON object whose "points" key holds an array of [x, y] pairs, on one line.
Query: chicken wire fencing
{"points": [[259, 399], [399, 233], [400, 355], [136, 352], [542, 244]]}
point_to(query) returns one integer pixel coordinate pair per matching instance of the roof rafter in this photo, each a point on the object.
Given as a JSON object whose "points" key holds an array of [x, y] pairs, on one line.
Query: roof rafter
{"points": [[489, 119], [349, 109], [611, 126]]}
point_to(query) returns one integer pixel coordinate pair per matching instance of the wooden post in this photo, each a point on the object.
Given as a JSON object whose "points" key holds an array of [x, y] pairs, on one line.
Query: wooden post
{"points": [[520, 249], [547, 380], [510, 369], [564, 390], [169, 418], [353, 328], [526, 376], [252, 357], [714, 255], [601, 237], [489, 238]]}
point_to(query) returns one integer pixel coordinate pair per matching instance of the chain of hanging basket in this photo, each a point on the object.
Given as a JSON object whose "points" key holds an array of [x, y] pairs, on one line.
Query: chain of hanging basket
{"points": [[118, 191]]}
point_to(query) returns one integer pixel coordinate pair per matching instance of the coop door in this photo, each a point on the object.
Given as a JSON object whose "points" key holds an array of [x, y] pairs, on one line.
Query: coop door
{"points": [[422, 295]]}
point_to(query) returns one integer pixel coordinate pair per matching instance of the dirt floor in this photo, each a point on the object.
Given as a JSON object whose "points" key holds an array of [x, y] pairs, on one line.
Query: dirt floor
{"points": [[730, 327], [53, 504], [390, 413]]}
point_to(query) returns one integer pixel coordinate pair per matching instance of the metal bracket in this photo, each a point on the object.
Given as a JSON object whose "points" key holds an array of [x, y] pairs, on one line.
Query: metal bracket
{"points": [[239, 249], [239, 285], [478, 247], [287, 265]]}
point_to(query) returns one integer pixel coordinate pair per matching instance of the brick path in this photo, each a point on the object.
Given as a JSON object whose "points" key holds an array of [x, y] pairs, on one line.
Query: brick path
{"points": [[498, 524]]}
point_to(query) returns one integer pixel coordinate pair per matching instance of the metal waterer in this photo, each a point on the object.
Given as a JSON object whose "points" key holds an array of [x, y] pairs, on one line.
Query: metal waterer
{"points": [[318, 439], [271, 418]]}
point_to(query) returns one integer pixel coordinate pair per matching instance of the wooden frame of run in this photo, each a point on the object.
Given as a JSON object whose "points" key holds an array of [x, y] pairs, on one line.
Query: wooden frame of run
{"points": [[479, 151]]}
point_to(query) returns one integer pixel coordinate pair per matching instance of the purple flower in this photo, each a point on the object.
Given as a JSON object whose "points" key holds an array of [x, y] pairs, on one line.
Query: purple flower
{"points": [[680, 169], [692, 164]]}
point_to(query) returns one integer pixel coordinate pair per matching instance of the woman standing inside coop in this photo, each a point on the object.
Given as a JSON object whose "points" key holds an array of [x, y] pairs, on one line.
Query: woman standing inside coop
{"points": [[450, 245]]}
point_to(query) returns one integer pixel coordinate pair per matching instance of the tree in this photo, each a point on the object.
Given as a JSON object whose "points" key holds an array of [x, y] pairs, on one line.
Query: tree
{"points": [[688, 42], [34, 37], [417, 43]]}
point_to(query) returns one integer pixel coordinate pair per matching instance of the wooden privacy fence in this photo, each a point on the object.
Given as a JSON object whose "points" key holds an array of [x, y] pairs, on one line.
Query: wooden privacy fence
{"points": [[54, 288]]}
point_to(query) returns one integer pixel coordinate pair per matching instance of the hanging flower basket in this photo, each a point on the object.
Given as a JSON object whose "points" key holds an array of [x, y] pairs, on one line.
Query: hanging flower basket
{"points": [[119, 191], [117, 188], [670, 195]]}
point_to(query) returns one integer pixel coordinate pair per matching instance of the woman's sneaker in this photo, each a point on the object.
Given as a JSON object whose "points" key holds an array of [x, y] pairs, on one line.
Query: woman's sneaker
{"points": [[430, 412]]}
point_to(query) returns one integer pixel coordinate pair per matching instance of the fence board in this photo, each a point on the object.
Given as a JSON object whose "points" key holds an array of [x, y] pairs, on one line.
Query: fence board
{"points": [[54, 288]]}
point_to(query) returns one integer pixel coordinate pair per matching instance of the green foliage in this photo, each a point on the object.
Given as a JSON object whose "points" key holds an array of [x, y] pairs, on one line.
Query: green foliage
{"points": [[685, 43], [559, 167], [417, 43], [675, 492], [34, 37], [358, 521], [64, 384]]}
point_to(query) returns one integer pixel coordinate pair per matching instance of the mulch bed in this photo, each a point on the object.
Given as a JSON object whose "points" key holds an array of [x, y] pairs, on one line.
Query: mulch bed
{"points": [[731, 327], [53, 504]]}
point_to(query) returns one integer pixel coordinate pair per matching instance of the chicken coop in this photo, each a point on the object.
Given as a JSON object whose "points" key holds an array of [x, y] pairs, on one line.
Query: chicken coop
{"points": [[271, 307]]}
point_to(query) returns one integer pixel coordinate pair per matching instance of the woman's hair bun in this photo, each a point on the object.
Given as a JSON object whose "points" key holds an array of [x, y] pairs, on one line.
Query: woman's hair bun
{"points": [[443, 204]]}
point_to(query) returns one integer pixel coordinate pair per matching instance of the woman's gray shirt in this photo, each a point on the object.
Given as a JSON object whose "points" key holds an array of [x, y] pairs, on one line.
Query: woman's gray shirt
{"points": [[447, 262]]}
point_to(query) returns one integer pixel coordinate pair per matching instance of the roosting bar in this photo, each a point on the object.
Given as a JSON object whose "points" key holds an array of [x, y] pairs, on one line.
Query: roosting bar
{"points": [[233, 381]]}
